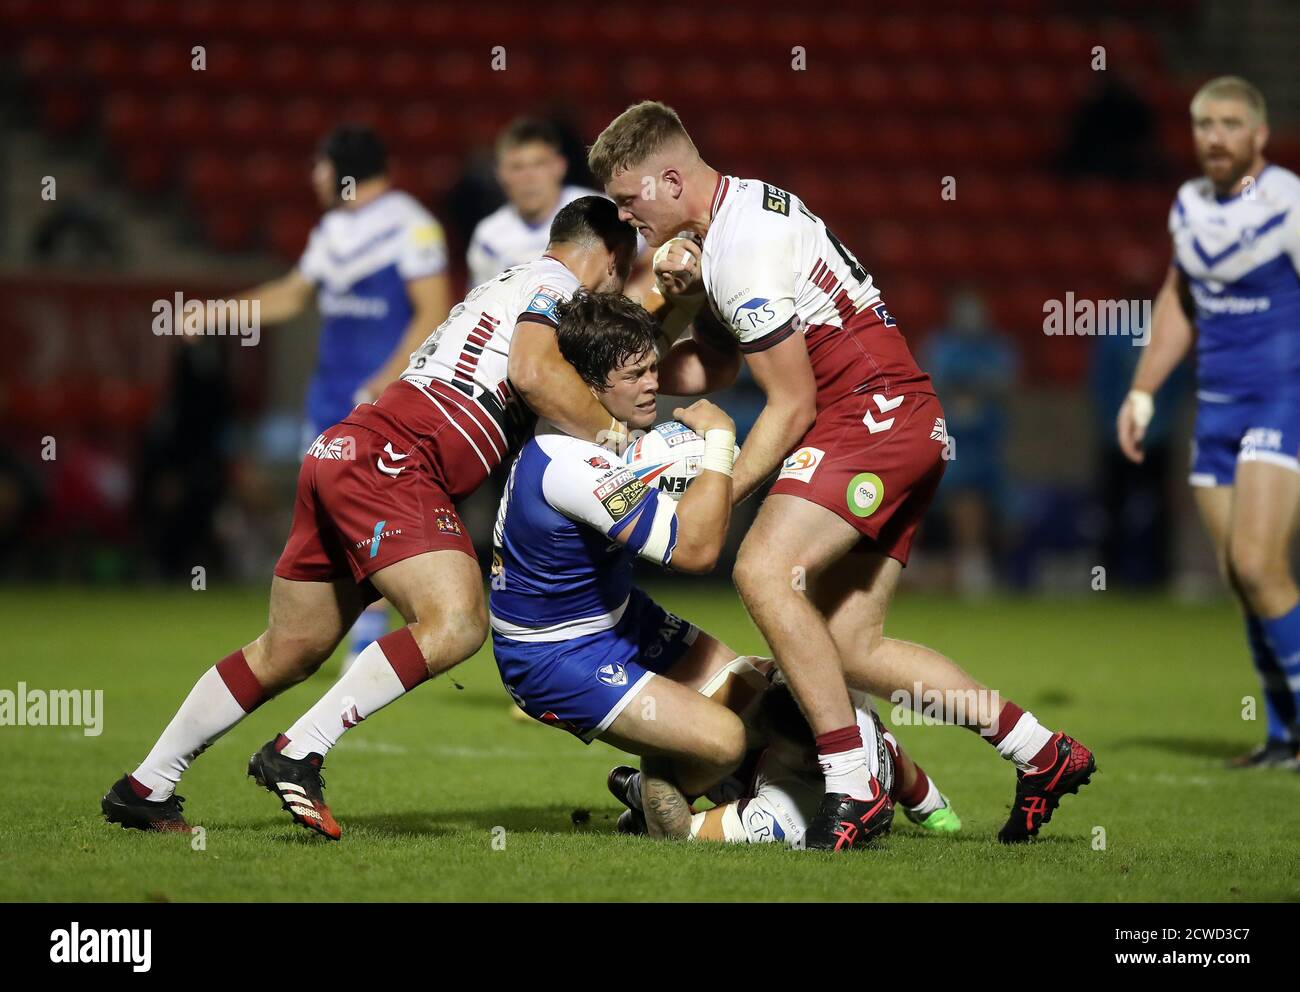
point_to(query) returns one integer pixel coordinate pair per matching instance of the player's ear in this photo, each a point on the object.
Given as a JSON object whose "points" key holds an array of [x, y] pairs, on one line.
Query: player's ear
{"points": [[673, 180]]}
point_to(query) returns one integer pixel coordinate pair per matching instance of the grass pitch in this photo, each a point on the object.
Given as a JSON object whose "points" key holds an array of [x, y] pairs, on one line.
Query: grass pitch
{"points": [[1155, 688]]}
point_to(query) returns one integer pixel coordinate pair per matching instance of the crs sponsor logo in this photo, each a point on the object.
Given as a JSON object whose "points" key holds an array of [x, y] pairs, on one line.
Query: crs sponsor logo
{"points": [[802, 464], [754, 313], [612, 674]]}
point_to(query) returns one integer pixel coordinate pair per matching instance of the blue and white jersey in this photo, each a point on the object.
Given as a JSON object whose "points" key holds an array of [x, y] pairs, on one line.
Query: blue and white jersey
{"points": [[557, 570], [361, 260], [1241, 258], [504, 239]]}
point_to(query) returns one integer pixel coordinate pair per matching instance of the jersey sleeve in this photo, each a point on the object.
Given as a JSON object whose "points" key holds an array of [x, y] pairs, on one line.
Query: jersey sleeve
{"points": [[754, 284], [424, 248], [312, 263], [590, 487], [540, 299]]}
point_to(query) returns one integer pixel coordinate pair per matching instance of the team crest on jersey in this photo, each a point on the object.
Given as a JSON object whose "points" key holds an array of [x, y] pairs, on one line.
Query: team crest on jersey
{"points": [[444, 518], [776, 200], [598, 461], [612, 674], [802, 464]]}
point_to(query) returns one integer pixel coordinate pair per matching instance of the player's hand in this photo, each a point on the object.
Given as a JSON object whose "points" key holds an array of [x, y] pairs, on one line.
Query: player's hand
{"points": [[1131, 425], [677, 269], [703, 416]]}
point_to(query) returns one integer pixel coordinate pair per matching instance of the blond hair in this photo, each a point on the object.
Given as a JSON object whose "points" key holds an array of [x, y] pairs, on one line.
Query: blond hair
{"points": [[633, 136], [1233, 88]]}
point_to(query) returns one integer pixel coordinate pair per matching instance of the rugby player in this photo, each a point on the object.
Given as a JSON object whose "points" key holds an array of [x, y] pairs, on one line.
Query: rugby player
{"points": [[375, 516], [377, 265], [855, 428], [578, 646], [1234, 288], [786, 788]]}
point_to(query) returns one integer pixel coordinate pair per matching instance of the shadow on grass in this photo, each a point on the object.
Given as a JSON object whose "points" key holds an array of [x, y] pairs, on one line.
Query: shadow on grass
{"points": [[558, 819], [1192, 747]]}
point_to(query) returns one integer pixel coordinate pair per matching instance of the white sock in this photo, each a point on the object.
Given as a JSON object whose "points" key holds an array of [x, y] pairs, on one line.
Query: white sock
{"points": [[932, 801], [369, 685], [1025, 740], [848, 772], [208, 712]]}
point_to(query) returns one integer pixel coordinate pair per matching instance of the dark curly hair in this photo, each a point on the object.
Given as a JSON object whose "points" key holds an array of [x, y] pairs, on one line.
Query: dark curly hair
{"points": [[601, 332]]}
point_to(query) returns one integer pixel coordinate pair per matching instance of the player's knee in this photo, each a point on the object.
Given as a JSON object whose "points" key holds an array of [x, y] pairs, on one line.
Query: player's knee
{"points": [[292, 656], [450, 632], [756, 573], [726, 747], [1255, 568]]}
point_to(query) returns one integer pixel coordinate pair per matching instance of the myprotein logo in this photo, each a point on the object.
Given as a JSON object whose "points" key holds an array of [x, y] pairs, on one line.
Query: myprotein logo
{"points": [[77, 946], [379, 534]]}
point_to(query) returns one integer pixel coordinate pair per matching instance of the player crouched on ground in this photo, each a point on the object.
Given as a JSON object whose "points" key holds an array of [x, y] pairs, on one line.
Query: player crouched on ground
{"points": [[580, 648]]}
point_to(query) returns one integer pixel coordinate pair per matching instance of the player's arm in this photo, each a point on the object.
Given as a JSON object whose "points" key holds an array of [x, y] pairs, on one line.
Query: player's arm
{"points": [[280, 299], [785, 375], [1171, 338], [708, 359], [430, 298], [551, 387]]}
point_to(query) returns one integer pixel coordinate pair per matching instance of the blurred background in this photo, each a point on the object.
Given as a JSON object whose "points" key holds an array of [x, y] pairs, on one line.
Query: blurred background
{"points": [[979, 159]]}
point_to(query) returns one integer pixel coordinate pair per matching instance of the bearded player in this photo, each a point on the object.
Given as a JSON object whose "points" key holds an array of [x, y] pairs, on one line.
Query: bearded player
{"points": [[1234, 287], [375, 516], [858, 434]]}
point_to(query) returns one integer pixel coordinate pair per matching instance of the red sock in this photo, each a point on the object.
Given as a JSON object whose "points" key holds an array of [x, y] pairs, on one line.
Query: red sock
{"points": [[920, 788], [1007, 720], [241, 681]]}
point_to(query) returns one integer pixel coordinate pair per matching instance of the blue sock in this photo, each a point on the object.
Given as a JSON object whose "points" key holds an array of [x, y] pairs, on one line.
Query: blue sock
{"points": [[1283, 635], [1278, 703], [370, 626]]}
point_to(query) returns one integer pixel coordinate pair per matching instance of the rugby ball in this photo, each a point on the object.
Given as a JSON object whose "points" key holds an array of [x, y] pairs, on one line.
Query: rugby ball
{"points": [[667, 457]]}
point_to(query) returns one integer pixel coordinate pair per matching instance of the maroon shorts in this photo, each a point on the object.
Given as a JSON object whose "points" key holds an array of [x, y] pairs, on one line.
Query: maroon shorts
{"points": [[363, 504], [874, 460]]}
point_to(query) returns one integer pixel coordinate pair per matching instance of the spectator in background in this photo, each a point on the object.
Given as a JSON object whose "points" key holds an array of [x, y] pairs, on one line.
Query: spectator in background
{"points": [[1113, 135], [377, 263], [973, 366], [1137, 534]]}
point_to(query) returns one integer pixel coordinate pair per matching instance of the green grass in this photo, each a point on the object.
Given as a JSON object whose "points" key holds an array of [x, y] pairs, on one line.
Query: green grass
{"points": [[1153, 687]]}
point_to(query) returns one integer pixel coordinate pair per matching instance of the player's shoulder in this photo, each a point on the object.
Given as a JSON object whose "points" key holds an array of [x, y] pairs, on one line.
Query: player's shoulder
{"points": [[402, 204], [499, 223], [1281, 183], [574, 454], [580, 474]]}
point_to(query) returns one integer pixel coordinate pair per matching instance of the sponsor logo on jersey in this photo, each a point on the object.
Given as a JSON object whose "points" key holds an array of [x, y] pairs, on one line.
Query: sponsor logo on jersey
{"points": [[620, 502], [802, 464], [865, 494], [379, 534], [612, 674], [776, 200], [393, 470], [598, 461], [544, 302], [336, 449], [615, 481], [753, 313]]}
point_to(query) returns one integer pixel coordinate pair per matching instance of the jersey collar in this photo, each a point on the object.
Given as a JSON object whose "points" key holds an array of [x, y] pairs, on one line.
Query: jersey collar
{"points": [[720, 190]]}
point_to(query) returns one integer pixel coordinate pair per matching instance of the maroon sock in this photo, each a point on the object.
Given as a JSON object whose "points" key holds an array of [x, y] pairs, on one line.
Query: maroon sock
{"points": [[241, 681], [405, 656], [1007, 720], [836, 741], [919, 790]]}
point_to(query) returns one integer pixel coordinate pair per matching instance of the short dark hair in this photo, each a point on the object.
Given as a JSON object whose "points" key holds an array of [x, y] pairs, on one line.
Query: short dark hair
{"points": [[601, 332], [526, 130], [594, 220], [355, 150], [779, 713]]}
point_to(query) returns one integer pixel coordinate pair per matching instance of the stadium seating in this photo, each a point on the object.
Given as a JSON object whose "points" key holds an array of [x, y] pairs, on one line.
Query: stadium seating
{"points": [[889, 106]]}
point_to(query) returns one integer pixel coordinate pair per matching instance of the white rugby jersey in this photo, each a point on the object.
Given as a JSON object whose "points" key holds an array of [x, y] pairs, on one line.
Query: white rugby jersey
{"points": [[465, 362], [361, 260], [1241, 257], [771, 267], [503, 238]]}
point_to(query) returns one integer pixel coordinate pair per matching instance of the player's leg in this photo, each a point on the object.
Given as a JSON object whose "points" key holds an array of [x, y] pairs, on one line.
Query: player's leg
{"points": [[855, 594], [371, 625], [440, 594], [1261, 531], [306, 622], [1214, 504], [689, 743]]}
